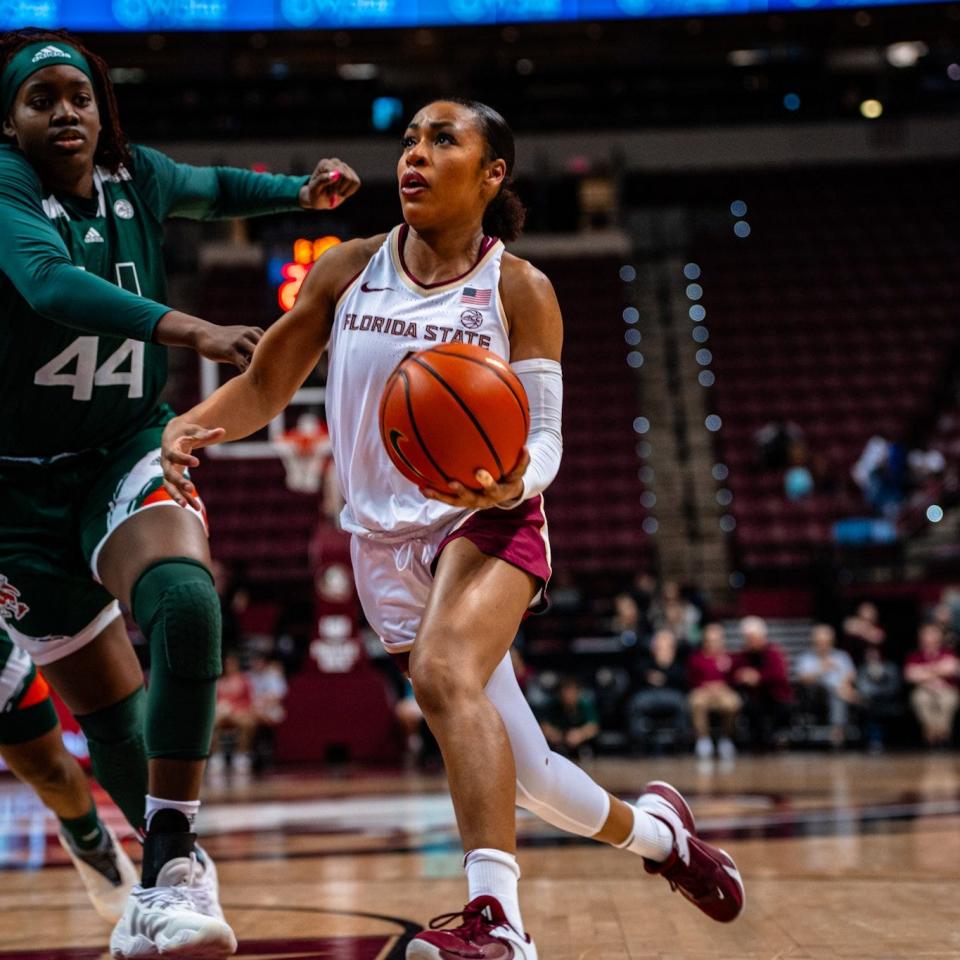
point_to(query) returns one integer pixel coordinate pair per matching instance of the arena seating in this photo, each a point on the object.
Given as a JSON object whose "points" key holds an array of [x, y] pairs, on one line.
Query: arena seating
{"points": [[594, 506], [836, 314]]}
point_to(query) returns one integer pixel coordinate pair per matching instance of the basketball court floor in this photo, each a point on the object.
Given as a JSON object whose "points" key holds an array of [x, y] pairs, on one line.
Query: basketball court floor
{"points": [[843, 857]]}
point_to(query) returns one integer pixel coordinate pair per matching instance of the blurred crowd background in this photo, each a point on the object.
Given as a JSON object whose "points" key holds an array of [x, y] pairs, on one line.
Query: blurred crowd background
{"points": [[750, 216]]}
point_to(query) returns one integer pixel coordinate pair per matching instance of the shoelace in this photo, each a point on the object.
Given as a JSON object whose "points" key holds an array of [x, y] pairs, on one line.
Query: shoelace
{"points": [[474, 923], [165, 897]]}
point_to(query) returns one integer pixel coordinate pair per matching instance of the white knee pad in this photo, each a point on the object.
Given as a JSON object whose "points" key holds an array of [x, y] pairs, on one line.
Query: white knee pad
{"points": [[548, 785]]}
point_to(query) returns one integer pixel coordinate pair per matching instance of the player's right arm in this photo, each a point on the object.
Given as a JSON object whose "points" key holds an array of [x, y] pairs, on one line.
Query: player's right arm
{"points": [[286, 356], [35, 259]]}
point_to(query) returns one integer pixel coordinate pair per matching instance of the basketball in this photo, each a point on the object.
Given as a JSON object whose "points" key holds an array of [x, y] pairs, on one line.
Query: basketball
{"points": [[450, 411]]}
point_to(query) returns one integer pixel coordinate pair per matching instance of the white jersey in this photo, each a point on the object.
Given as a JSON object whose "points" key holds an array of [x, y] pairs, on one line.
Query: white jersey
{"points": [[383, 314]]}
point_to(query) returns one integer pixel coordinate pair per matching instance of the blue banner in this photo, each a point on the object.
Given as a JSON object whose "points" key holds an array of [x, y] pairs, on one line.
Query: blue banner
{"points": [[120, 15]]}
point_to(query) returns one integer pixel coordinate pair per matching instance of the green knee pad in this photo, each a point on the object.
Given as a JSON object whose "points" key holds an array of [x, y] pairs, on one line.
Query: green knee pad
{"points": [[118, 753], [176, 606]]}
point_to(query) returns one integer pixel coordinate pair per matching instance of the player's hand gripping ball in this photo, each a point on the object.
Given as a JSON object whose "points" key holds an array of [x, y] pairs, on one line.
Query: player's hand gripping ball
{"points": [[451, 412]]}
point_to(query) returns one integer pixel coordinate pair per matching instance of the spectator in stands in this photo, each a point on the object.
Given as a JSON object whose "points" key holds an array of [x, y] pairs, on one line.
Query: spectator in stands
{"points": [[235, 713], [709, 671], [773, 442], [570, 721], [761, 678], [827, 676], [673, 611], [663, 688], [863, 631], [933, 672], [644, 590], [926, 469], [627, 621], [878, 690], [881, 473], [797, 478], [269, 686], [942, 616]]}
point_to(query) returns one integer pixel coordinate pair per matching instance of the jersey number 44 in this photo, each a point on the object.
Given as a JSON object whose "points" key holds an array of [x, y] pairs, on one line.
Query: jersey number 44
{"points": [[82, 355]]}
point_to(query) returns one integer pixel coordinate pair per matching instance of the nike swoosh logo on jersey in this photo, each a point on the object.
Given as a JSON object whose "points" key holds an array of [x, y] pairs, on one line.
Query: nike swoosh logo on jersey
{"points": [[366, 288]]}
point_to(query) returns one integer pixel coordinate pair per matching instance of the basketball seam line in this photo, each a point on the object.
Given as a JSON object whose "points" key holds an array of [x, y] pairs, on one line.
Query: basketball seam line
{"points": [[465, 409], [496, 373], [413, 423]]}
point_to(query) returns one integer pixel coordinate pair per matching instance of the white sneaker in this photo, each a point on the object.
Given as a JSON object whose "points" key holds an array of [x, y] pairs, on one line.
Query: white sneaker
{"points": [[179, 917], [207, 891], [107, 873], [704, 748], [726, 749]]}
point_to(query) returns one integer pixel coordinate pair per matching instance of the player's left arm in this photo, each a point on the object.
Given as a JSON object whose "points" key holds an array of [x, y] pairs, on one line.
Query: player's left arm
{"points": [[213, 193], [536, 341]]}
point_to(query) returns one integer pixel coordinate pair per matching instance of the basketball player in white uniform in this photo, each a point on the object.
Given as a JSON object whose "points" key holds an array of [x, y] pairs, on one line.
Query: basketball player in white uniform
{"points": [[445, 577]]}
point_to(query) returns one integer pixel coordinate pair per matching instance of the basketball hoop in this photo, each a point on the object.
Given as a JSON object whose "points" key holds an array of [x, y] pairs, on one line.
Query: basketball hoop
{"points": [[304, 451]]}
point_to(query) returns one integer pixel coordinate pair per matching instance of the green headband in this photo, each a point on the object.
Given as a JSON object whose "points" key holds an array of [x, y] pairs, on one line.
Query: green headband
{"points": [[26, 62]]}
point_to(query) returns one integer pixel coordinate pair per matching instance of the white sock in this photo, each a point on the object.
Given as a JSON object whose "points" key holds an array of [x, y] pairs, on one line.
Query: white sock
{"points": [[651, 838], [494, 873], [189, 808]]}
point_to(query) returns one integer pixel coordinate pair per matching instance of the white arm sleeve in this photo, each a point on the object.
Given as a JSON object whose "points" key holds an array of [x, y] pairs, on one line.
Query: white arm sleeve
{"points": [[543, 382]]}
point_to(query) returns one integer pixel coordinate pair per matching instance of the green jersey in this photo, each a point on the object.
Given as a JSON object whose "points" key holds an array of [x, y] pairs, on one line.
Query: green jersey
{"points": [[82, 288]]}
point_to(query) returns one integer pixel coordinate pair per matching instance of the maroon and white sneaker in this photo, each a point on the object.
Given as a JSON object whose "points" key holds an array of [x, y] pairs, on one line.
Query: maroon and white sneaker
{"points": [[484, 934], [705, 875]]}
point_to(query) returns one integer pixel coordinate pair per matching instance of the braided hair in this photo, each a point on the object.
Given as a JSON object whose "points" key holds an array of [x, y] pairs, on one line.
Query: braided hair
{"points": [[505, 214], [113, 148]]}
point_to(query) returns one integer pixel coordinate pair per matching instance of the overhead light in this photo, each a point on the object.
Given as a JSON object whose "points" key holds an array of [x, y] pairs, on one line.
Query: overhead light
{"points": [[854, 60], [746, 58], [871, 109], [906, 53], [357, 71]]}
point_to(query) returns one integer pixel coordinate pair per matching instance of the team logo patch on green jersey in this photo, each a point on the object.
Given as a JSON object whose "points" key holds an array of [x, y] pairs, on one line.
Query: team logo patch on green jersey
{"points": [[10, 603], [123, 209]]}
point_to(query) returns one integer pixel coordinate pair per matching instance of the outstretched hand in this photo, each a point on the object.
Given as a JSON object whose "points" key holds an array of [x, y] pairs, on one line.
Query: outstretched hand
{"points": [[179, 439], [228, 344], [331, 182], [490, 494]]}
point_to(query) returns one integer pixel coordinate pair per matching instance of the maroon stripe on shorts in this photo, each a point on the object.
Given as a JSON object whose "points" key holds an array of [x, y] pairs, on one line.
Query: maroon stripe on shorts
{"points": [[517, 536]]}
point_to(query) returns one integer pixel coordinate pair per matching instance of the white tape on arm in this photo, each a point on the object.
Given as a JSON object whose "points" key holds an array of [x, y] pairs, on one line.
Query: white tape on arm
{"points": [[543, 382]]}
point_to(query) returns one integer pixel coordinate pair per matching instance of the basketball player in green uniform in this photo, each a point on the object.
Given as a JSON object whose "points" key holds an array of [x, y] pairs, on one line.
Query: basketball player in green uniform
{"points": [[84, 519], [31, 744]]}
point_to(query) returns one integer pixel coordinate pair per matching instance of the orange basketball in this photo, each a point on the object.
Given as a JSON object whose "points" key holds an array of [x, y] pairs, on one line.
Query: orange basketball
{"points": [[450, 411]]}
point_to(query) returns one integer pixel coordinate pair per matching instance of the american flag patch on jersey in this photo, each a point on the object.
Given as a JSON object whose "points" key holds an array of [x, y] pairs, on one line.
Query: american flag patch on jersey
{"points": [[475, 297]]}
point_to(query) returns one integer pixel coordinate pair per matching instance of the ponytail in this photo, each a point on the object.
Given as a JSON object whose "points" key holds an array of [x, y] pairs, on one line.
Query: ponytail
{"points": [[505, 214]]}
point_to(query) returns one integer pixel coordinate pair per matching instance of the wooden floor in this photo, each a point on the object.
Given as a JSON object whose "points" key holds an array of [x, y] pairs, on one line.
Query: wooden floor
{"points": [[843, 857]]}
